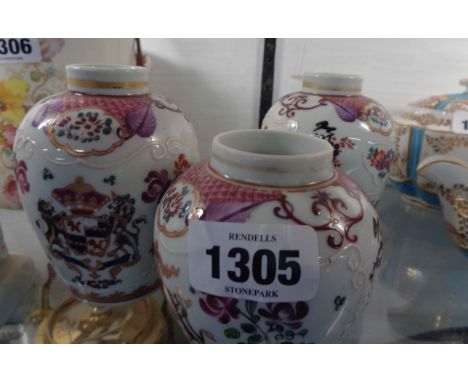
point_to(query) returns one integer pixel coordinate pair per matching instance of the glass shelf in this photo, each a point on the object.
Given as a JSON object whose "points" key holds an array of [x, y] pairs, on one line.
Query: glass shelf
{"points": [[421, 294]]}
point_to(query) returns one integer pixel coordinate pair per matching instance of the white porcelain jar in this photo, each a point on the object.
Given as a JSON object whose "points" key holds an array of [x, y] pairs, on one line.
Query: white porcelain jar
{"points": [[331, 107], [280, 179], [91, 166]]}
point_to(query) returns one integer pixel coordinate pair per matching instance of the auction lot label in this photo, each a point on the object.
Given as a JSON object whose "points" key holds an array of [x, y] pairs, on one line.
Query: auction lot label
{"points": [[19, 50], [260, 262]]}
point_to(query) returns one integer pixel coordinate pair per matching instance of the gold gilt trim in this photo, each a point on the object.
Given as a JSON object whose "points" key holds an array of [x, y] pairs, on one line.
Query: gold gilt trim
{"points": [[82, 154], [418, 202], [323, 183], [364, 117], [457, 197], [427, 119], [451, 161], [401, 156], [314, 85], [78, 154], [423, 166], [167, 271], [141, 322], [171, 234], [377, 130], [443, 145], [272, 170], [92, 84], [426, 186]]}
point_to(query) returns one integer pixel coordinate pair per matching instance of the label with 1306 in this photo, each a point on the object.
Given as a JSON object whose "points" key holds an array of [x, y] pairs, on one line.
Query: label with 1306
{"points": [[19, 50], [260, 262]]}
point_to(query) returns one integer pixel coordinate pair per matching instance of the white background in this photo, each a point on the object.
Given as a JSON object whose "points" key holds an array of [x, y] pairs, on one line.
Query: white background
{"points": [[396, 71]]}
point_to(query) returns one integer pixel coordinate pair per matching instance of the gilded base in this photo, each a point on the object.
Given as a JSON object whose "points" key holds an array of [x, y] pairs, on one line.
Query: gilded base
{"points": [[74, 322]]}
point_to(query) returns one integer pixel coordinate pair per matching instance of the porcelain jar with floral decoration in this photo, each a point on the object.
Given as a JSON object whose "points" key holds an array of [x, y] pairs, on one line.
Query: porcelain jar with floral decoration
{"points": [[273, 180], [331, 107], [21, 86], [437, 125], [92, 164]]}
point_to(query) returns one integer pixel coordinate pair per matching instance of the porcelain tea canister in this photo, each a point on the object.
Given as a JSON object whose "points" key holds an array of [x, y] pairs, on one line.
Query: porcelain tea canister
{"points": [[256, 186], [432, 126], [91, 166], [331, 107]]}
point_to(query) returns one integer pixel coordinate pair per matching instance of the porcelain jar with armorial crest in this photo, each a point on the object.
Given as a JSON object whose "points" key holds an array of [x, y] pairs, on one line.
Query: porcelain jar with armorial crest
{"points": [[91, 165]]}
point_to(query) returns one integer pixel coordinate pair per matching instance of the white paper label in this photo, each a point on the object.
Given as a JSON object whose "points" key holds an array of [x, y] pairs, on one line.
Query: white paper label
{"points": [[19, 50], [460, 122], [260, 262]]}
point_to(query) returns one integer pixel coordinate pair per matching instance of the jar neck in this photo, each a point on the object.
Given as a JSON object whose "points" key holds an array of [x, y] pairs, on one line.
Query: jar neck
{"points": [[112, 80], [272, 158], [331, 83]]}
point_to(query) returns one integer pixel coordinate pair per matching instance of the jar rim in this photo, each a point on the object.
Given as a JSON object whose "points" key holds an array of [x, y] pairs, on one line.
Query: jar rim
{"points": [[270, 157]]}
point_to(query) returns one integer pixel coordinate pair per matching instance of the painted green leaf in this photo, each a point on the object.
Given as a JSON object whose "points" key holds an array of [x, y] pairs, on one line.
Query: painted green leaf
{"points": [[35, 76], [255, 318], [248, 328], [250, 306], [232, 333], [254, 339], [303, 332]]}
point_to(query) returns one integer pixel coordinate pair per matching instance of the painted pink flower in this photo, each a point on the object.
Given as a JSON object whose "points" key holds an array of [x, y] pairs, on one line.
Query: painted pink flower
{"points": [[346, 142], [158, 182], [10, 190], [21, 176], [9, 132], [223, 308], [284, 315]]}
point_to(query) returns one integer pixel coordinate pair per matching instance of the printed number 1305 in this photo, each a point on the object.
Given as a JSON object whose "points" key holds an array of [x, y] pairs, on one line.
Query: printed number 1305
{"points": [[263, 267]]}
